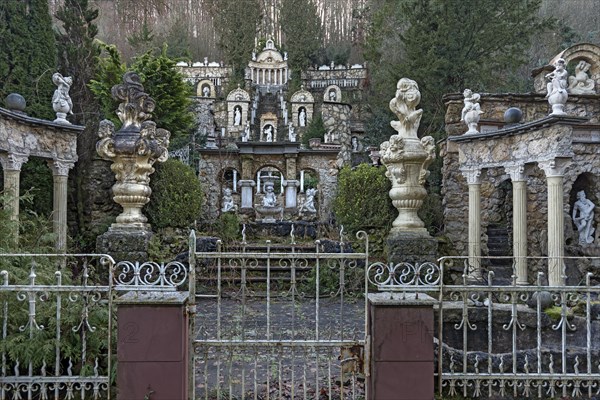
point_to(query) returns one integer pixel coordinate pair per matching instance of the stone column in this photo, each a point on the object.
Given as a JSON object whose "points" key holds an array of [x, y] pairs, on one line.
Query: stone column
{"points": [[473, 176], [291, 193], [246, 185], [555, 170], [11, 166], [519, 184], [60, 173]]}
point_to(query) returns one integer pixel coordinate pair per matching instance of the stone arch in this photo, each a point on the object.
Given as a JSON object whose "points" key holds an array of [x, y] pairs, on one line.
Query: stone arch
{"points": [[308, 177], [269, 170], [332, 93], [229, 177], [202, 86]]}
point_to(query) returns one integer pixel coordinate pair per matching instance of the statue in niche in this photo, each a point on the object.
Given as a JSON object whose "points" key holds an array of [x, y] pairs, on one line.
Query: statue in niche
{"points": [[205, 91], [581, 82], [61, 101], [332, 95], [227, 202], [246, 134], [291, 132], [269, 200], [309, 202], [354, 142], [583, 217], [237, 116], [558, 78], [302, 117], [269, 133], [404, 106], [471, 111]]}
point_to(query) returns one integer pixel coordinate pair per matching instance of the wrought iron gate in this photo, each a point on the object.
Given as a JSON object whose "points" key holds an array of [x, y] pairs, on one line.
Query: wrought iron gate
{"points": [[280, 321]]}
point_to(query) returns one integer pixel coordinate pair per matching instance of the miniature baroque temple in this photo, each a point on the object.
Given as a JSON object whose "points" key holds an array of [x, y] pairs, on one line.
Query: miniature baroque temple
{"points": [[253, 136]]}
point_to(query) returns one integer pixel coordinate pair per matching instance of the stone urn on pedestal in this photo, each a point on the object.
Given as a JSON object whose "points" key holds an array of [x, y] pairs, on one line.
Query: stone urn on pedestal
{"points": [[407, 158], [133, 150]]}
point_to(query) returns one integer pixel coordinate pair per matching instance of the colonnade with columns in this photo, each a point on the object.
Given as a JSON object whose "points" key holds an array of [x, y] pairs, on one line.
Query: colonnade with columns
{"points": [[269, 76], [554, 170], [12, 164]]}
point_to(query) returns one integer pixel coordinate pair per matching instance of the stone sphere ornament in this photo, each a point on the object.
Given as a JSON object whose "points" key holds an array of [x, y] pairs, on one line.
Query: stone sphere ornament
{"points": [[15, 102], [513, 116]]}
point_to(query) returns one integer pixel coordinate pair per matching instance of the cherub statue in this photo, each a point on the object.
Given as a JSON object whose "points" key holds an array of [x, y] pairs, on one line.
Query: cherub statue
{"points": [[227, 202], [404, 106], [61, 101], [269, 133], [558, 78], [471, 111], [581, 82], [583, 217], [269, 200], [309, 202]]}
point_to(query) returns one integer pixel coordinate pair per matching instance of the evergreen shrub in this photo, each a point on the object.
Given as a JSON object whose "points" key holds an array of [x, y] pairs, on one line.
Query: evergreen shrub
{"points": [[176, 198], [315, 129], [362, 200], [228, 227]]}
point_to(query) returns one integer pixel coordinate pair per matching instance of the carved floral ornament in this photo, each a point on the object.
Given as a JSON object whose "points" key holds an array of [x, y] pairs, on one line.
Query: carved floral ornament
{"points": [[136, 106]]}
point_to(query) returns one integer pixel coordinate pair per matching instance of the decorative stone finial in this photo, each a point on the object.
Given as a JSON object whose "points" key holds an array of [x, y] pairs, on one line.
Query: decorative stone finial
{"points": [[133, 150], [471, 111], [61, 101], [407, 159], [136, 106]]}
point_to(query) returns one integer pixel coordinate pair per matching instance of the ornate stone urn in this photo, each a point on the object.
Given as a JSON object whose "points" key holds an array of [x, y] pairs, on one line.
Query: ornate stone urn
{"points": [[133, 150], [406, 159]]}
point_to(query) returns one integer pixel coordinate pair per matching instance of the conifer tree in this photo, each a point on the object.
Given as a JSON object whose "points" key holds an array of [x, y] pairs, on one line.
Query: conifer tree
{"points": [[236, 23], [28, 56], [303, 32]]}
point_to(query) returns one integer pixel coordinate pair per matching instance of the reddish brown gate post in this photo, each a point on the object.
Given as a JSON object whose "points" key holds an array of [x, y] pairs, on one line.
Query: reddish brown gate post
{"points": [[402, 359], [152, 346]]}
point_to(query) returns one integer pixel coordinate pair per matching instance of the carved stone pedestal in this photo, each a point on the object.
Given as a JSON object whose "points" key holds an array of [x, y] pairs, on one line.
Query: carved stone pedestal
{"points": [[125, 245], [411, 248]]}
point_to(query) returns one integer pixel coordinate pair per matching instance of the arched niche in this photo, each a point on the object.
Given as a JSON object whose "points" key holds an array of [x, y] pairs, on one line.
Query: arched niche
{"points": [[206, 89], [302, 99], [238, 101], [272, 173], [587, 183], [229, 179], [333, 94]]}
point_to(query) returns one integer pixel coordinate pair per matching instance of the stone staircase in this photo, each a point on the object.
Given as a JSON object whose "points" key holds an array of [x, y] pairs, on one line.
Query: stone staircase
{"points": [[499, 245]]}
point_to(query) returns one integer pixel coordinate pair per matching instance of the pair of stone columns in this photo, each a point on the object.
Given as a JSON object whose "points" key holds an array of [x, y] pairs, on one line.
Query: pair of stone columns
{"points": [[554, 170], [11, 165]]}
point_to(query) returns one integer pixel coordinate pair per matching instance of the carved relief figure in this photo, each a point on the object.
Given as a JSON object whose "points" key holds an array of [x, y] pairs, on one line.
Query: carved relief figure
{"points": [[583, 217], [309, 202], [302, 117], [558, 78], [581, 82], [227, 202], [237, 116]]}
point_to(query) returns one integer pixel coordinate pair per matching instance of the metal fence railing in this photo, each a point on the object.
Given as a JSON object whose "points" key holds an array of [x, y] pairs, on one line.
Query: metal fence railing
{"points": [[524, 341], [280, 321]]}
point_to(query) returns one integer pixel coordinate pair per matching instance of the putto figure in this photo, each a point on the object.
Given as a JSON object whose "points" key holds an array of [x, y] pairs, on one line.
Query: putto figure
{"points": [[581, 82], [557, 88], [227, 202], [61, 101], [309, 202], [404, 106], [471, 111]]}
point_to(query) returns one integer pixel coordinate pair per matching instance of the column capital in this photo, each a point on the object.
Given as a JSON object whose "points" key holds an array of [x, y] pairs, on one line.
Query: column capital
{"points": [[246, 183], [13, 161], [516, 172], [60, 167], [555, 167], [472, 175]]}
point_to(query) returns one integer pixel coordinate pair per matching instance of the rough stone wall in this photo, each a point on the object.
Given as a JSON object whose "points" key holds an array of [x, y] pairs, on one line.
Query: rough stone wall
{"points": [[494, 195], [211, 167], [336, 118], [205, 121]]}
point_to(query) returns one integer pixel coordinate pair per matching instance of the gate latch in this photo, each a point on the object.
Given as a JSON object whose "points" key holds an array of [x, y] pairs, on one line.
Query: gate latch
{"points": [[352, 359]]}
